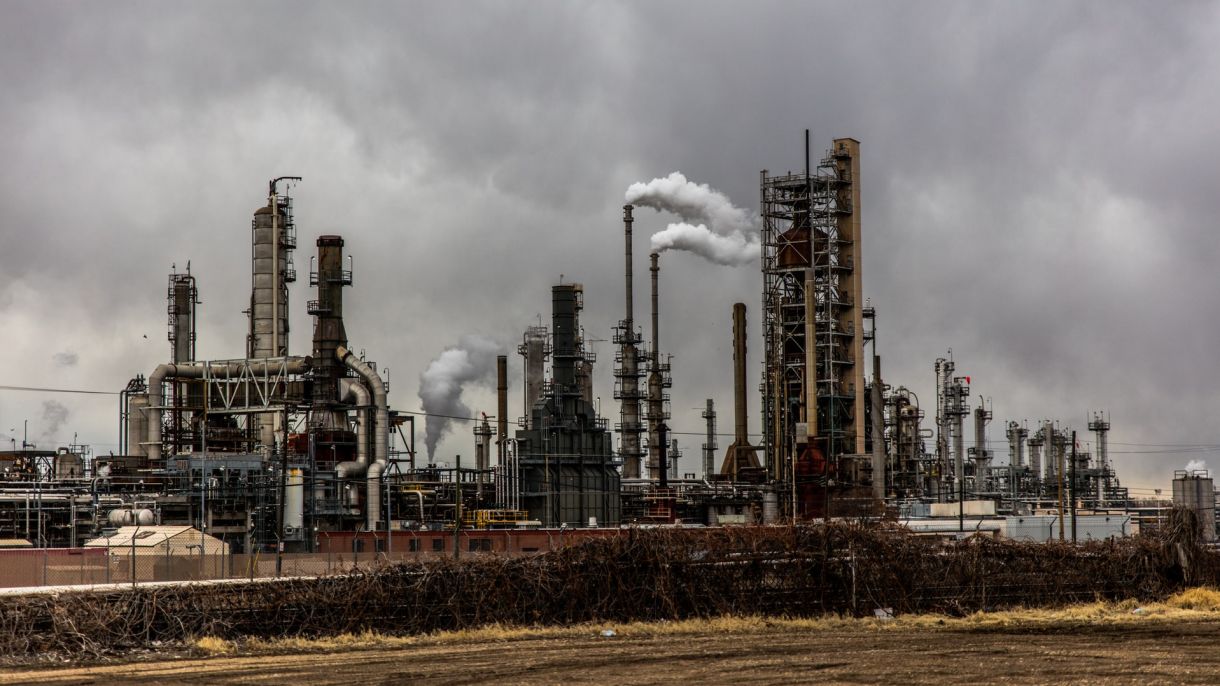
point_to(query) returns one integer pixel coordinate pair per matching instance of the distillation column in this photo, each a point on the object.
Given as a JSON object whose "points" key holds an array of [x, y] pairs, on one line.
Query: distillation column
{"points": [[273, 240], [1100, 425], [980, 453], [709, 445], [628, 371], [658, 381], [535, 348]]}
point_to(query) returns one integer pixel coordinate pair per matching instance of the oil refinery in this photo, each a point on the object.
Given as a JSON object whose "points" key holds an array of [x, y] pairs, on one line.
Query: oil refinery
{"points": [[289, 449]]}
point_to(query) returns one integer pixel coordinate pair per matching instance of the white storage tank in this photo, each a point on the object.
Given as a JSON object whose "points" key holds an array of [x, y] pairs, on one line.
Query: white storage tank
{"points": [[141, 517], [1193, 490]]}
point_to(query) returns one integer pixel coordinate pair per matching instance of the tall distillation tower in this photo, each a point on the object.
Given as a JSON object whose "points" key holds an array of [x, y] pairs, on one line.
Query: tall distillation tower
{"points": [[813, 384]]}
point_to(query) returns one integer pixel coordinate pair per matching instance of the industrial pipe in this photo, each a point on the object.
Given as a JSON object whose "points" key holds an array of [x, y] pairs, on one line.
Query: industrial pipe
{"points": [[222, 370], [372, 506], [351, 390], [381, 432]]}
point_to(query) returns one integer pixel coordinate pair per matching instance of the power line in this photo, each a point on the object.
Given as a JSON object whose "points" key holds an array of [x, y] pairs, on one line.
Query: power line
{"points": [[55, 390]]}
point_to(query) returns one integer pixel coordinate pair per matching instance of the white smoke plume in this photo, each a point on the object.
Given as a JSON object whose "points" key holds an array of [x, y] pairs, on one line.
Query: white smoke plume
{"points": [[713, 227], [472, 360], [54, 415], [734, 249], [1196, 466]]}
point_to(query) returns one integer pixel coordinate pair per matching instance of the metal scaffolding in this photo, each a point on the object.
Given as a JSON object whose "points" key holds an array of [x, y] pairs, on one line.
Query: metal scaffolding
{"points": [[813, 385]]}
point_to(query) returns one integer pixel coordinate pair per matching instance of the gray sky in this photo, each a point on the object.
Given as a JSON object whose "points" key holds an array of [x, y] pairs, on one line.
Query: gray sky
{"points": [[1038, 187]]}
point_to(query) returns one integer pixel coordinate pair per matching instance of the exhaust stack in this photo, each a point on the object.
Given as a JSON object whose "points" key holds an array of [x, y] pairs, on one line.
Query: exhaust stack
{"points": [[740, 455]]}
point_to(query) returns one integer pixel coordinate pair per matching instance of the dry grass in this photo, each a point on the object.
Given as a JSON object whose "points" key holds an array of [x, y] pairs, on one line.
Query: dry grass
{"points": [[1196, 604]]}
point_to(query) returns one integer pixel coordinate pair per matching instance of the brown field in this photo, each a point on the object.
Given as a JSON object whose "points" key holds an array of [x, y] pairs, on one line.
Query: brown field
{"points": [[1113, 643]]}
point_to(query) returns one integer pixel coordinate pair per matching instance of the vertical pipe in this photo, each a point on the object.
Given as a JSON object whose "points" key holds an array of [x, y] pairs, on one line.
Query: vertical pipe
{"points": [[1072, 488], [878, 426], [709, 448], [811, 360], [627, 223], [501, 409], [739, 375], [654, 380]]}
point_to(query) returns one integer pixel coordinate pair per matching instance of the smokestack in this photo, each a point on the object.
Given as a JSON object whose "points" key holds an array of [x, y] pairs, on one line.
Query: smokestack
{"points": [[629, 368], [627, 223], [739, 374], [740, 453], [328, 330], [655, 449], [501, 408]]}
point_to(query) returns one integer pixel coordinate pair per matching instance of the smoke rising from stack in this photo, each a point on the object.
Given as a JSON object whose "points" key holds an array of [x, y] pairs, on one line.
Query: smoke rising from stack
{"points": [[472, 360], [54, 415], [712, 226]]}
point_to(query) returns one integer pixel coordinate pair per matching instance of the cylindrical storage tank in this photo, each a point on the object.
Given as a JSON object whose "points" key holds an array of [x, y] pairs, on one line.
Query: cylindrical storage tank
{"points": [[713, 517], [69, 466], [145, 517], [294, 500], [770, 507], [137, 424], [120, 518], [1195, 491]]}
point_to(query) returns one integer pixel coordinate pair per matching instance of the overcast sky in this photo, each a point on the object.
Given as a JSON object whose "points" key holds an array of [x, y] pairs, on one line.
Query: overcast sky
{"points": [[1039, 188]]}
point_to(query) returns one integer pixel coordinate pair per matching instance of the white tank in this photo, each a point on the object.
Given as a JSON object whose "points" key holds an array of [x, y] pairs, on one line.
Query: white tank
{"points": [[137, 424], [1195, 491], [141, 517], [294, 500]]}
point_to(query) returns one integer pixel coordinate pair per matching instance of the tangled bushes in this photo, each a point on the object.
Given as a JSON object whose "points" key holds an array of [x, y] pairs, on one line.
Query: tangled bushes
{"points": [[806, 570]]}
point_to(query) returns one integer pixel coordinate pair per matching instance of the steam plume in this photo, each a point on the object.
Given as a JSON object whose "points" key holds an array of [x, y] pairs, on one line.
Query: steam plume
{"points": [[1196, 466], [713, 227], [472, 360], [54, 415]]}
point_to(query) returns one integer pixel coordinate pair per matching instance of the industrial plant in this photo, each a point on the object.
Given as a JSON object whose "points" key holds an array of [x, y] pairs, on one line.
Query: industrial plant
{"points": [[278, 448]]}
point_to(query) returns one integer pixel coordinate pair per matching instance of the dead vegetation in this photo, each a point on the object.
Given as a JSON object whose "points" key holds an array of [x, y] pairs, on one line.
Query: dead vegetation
{"points": [[649, 576]]}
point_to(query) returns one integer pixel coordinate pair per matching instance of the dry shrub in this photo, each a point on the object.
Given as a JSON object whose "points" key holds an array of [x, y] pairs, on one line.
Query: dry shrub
{"points": [[670, 575], [1196, 599]]}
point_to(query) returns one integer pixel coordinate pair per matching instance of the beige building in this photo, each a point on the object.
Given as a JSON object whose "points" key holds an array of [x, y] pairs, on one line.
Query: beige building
{"points": [[164, 541]]}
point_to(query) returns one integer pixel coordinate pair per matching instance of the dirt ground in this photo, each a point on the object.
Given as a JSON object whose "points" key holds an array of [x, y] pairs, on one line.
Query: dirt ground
{"points": [[1161, 652]]}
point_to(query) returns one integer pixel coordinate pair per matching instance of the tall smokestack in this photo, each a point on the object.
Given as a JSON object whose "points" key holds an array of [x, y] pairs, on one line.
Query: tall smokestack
{"points": [[740, 453], [628, 221], [501, 408], [655, 449], [739, 374], [328, 330], [628, 371]]}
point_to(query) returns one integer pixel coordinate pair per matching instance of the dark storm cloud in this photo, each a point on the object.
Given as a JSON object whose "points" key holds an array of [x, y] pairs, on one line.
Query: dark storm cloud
{"points": [[1037, 182]]}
